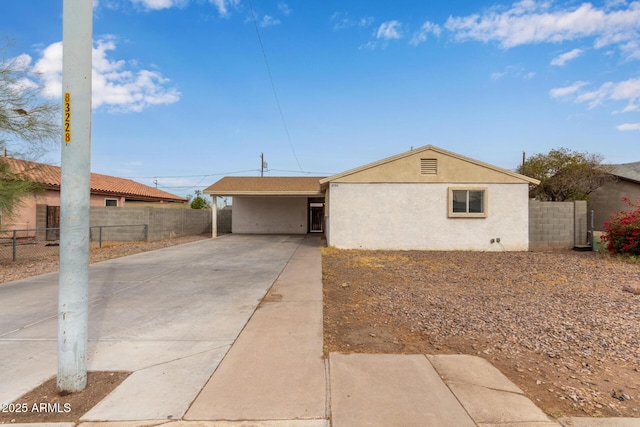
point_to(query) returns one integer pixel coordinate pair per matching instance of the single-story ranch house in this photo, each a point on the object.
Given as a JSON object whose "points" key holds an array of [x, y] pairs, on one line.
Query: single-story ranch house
{"points": [[426, 198], [105, 191]]}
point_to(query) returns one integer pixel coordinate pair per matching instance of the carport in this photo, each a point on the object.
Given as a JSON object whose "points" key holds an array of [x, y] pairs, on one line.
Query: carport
{"points": [[272, 205]]}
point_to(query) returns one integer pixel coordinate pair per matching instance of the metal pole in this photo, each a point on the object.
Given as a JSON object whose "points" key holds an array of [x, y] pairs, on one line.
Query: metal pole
{"points": [[74, 197]]}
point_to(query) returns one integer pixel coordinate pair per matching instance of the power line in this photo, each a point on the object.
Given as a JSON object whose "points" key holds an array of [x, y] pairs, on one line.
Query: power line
{"points": [[273, 86], [308, 173], [189, 176]]}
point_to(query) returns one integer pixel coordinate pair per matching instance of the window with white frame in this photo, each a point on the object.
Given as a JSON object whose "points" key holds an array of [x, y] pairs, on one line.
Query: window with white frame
{"points": [[111, 202], [467, 202]]}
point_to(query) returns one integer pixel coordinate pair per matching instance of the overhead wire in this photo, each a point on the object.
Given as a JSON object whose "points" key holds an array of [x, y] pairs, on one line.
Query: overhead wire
{"points": [[273, 86]]}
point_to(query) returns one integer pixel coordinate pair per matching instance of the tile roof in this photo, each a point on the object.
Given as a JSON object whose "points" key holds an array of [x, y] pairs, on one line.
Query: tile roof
{"points": [[267, 185], [49, 175]]}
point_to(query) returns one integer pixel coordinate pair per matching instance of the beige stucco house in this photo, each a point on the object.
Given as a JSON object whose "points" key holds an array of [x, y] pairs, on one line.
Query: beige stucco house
{"points": [[427, 198]]}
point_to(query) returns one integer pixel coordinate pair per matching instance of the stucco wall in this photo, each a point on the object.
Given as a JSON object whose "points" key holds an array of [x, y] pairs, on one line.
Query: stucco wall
{"points": [[414, 216], [269, 215], [608, 199]]}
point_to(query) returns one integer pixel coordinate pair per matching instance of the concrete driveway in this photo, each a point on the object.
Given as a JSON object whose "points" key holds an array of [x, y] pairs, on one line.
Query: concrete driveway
{"points": [[160, 314]]}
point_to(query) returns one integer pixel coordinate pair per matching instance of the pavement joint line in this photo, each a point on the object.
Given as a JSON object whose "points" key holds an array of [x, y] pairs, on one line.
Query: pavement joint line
{"points": [[450, 391], [182, 357], [29, 325], [327, 386]]}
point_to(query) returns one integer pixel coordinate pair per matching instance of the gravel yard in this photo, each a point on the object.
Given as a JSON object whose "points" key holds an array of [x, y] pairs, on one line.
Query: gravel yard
{"points": [[564, 326]]}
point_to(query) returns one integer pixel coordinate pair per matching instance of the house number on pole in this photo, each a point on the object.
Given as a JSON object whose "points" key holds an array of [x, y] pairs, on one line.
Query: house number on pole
{"points": [[67, 117]]}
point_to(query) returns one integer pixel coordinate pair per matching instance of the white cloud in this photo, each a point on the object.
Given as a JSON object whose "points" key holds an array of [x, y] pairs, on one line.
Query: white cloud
{"points": [[342, 21], [562, 92], [628, 126], [498, 75], [223, 5], [114, 84], [426, 29], [562, 59], [284, 8], [515, 71], [160, 4], [530, 21], [389, 30], [268, 20], [370, 45], [627, 91]]}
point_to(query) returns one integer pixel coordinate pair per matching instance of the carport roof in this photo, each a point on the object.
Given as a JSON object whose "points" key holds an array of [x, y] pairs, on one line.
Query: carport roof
{"points": [[266, 186]]}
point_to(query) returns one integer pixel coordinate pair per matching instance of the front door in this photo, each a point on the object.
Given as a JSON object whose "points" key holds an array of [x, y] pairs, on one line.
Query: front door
{"points": [[53, 223], [316, 217]]}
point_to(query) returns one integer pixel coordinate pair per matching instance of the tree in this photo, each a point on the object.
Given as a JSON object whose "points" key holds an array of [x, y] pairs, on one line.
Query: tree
{"points": [[200, 202], [565, 174], [29, 125]]}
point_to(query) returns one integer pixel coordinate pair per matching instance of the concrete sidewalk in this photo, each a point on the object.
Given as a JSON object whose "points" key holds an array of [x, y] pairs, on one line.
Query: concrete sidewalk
{"points": [[274, 375]]}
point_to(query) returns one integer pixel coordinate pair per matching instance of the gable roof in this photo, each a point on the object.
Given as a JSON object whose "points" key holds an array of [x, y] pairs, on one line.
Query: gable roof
{"points": [[266, 186], [50, 176], [381, 170], [627, 171]]}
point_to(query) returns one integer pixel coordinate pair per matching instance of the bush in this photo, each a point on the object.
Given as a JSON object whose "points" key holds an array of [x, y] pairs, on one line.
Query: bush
{"points": [[622, 231]]}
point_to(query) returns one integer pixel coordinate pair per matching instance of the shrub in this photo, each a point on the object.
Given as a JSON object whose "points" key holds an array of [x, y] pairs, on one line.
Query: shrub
{"points": [[622, 231]]}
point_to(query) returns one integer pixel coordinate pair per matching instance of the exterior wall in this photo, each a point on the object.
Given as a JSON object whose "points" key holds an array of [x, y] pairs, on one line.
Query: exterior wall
{"points": [[406, 168], [608, 199], [269, 215], [414, 216], [25, 215], [557, 225], [162, 223], [223, 221], [157, 205]]}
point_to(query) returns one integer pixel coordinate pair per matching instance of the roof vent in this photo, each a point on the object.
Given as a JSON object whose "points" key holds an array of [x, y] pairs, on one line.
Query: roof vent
{"points": [[428, 166]]}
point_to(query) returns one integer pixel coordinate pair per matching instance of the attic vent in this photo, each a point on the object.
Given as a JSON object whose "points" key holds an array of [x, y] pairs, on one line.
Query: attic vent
{"points": [[428, 166]]}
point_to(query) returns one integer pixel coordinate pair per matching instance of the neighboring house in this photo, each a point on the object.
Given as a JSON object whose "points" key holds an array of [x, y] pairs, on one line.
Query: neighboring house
{"points": [[608, 199], [427, 198], [105, 191]]}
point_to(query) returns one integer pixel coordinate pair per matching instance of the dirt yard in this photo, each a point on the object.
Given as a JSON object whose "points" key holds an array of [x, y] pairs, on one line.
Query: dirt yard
{"points": [[563, 326]]}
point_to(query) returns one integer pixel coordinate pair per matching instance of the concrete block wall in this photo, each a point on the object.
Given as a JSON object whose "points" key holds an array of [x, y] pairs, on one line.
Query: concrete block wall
{"points": [[223, 221], [556, 225], [162, 223]]}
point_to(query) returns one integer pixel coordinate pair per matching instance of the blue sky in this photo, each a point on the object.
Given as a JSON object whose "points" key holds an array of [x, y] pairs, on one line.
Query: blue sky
{"points": [[183, 94]]}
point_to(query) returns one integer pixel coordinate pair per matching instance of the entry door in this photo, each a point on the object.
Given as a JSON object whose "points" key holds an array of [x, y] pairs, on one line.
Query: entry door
{"points": [[53, 222], [316, 217]]}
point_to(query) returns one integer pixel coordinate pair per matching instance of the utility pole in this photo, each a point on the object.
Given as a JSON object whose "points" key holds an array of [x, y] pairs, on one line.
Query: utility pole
{"points": [[263, 165], [73, 306]]}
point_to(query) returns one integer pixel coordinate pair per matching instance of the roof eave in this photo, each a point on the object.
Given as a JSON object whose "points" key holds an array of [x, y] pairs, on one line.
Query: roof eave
{"points": [[264, 193], [427, 148]]}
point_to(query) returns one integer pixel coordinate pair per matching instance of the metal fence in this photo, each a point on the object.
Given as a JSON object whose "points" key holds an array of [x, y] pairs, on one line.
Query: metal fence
{"points": [[37, 243]]}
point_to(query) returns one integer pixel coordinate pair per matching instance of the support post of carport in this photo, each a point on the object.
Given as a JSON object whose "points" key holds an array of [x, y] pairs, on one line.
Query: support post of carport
{"points": [[214, 216]]}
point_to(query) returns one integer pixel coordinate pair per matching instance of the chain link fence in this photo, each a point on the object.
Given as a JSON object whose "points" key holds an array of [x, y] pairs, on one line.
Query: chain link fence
{"points": [[36, 243]]}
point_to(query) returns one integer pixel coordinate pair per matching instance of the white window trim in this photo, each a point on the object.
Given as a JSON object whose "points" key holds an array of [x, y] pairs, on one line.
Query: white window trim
{"points": [[485, 203], [116, 200]]}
